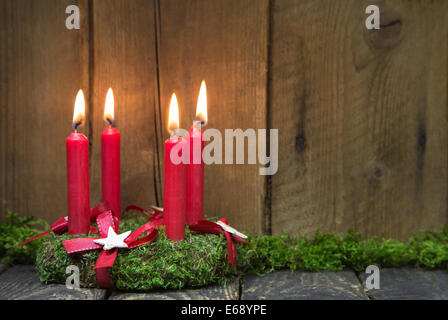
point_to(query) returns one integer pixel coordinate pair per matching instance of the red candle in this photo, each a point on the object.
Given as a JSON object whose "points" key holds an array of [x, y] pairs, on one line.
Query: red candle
{"points": [[110, 159], [78, 173], [174, 180], [195, 167]]}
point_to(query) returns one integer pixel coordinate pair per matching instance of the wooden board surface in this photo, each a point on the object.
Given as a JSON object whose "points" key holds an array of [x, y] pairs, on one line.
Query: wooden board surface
{"points": [[286, 285], [124, 58], [22, 283], [228, 291], [225, 44], [410, 284], [40, 74], [362, 117]]}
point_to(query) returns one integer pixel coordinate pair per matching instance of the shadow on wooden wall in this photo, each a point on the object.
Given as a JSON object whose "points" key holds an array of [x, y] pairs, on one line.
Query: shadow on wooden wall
{"points": [[362, 115]]}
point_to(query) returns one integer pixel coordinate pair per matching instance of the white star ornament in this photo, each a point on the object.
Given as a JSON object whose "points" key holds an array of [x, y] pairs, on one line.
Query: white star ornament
{"points": [[113, 240]]}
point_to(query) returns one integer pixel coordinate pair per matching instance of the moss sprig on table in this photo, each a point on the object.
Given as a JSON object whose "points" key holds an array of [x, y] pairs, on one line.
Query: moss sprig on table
{"points": [[201, 259], [335, 252], [16, 229]]}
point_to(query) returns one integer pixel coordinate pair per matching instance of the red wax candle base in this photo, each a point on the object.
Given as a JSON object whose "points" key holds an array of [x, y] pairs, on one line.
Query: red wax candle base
{"points": [[110, 165], [78, 184], [174, 194], [195, 178]]}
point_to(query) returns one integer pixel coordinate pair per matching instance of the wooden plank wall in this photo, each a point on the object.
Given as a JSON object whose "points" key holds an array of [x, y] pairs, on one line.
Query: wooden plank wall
{"points": [[362, 115], [124, 58], [225, 43], [40, 72]]}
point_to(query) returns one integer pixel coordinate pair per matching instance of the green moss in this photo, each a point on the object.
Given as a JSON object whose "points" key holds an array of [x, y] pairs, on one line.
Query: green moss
{"points": [[198, 260], [15, 230], [194, 262], [201, 259], [335, 252]]}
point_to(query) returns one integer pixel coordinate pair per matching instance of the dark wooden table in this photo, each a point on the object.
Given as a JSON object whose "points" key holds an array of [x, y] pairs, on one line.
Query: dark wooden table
{"points": [[22, 283]]}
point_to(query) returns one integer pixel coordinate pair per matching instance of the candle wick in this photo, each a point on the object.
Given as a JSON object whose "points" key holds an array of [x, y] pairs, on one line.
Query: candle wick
{"points": [[110, 122], [198, 123], [76, 125]]}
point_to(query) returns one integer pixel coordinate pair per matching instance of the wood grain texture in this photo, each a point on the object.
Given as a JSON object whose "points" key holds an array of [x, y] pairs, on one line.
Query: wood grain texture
{"points": [[410, 284], [225, 44], [286, 285], [40, 75], [124, 58], [22, 283], [362, 117], [229, 291]]}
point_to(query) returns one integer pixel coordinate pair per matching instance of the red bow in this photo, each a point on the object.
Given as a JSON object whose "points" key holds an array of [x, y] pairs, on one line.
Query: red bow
{"points": [[60, 226], [107, 257], [214, 228]]}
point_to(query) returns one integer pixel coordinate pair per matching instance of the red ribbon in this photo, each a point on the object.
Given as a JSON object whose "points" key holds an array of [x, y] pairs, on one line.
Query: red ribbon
{"points": [[156, 215], [60, 226], [202, 226], [107, 257], [214, 228]]}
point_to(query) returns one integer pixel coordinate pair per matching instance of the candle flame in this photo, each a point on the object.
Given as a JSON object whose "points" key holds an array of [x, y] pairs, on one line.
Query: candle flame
{"points": [[201, 108], [109, 107], [173, 114], [79, 111]]}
